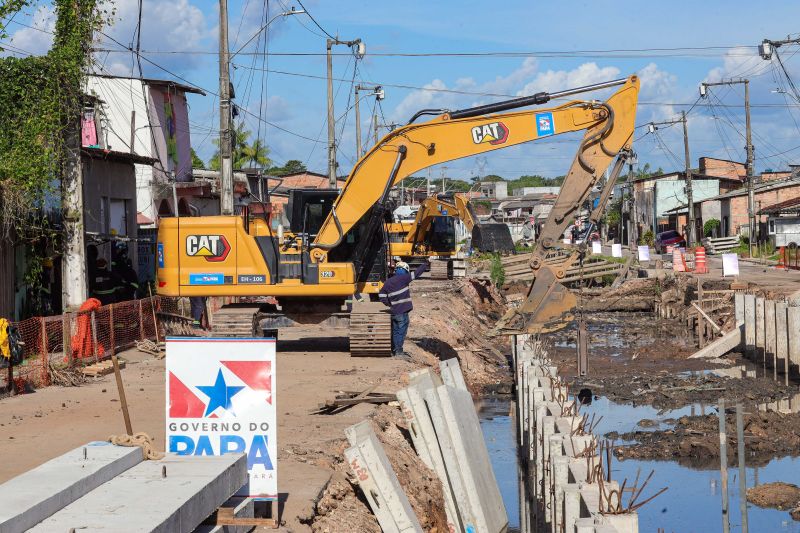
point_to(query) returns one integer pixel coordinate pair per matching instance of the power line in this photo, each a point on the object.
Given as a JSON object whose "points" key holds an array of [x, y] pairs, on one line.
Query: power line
{"points": [[323, 30]]}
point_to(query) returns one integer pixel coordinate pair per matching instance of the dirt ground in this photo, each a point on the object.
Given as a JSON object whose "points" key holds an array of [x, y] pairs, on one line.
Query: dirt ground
{"points": [[312, 366]]}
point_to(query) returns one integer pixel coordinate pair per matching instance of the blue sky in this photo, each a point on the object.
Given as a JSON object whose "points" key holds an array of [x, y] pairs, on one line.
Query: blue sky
{"points": [[181, 37]]}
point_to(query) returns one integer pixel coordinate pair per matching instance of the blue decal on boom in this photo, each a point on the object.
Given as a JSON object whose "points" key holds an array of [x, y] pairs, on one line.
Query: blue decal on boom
{"points": [[160, 254], [544, 124]]}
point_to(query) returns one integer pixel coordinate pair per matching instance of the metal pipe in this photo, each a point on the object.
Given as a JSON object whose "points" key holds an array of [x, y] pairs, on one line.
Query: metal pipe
{"points": [[723, 467], [742, 472], [535, 99]]}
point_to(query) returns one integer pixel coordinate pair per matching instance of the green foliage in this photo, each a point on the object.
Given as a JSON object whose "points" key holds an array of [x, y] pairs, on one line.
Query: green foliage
{"points": [[648, 238], [40, 105], [534, 181], [244, 155], [292, 166], [196, 161], [710, 226], [498, 273], [492, 178]]}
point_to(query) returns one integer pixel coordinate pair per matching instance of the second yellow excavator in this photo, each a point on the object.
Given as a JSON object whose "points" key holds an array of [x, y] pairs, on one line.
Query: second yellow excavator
{"points": [[336, 249]]}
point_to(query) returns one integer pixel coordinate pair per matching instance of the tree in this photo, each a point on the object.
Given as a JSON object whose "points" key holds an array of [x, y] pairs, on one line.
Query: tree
{"points": [[243, 154], [492, 177], [196, 161], [292, 166]]}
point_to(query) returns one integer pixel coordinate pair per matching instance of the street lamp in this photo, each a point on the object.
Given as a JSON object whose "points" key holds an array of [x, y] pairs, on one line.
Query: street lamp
{"points": [[264, 27]]}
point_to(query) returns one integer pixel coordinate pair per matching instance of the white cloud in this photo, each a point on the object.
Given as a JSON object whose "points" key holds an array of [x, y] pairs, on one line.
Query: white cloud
{"points": [[555, 80], [36, 39]]}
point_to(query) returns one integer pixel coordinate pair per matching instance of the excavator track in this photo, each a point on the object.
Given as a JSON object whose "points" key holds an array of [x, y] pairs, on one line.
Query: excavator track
{"points": [[370, 330], [235, 320], [439, 269]]}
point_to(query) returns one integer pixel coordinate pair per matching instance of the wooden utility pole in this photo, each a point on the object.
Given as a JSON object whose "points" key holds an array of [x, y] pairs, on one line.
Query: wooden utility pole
{"points": [[225, 137], [691, 234], [751, 210], [358, 125]]}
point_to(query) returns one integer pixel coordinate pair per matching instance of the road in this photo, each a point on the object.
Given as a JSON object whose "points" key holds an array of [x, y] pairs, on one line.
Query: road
{"points": [[39, 426]]}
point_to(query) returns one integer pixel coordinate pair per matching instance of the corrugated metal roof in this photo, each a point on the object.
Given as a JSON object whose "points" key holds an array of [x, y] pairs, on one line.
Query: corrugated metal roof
{"points": [[786, 207]]}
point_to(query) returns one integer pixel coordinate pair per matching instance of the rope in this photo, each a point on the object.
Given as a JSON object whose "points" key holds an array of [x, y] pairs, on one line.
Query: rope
{"points": [[140, 439]]}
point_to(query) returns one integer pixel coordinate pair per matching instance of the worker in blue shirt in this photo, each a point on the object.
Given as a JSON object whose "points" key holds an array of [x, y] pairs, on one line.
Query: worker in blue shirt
{"points": [[396, 294]]}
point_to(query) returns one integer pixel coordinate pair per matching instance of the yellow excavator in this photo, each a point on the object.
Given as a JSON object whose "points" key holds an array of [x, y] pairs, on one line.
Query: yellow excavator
{"points": [[336, 248], [432, 233]]}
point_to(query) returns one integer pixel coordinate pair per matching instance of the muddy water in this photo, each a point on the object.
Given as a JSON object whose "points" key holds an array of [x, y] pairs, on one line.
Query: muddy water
{"points": [[693, 501], [499, 433]]}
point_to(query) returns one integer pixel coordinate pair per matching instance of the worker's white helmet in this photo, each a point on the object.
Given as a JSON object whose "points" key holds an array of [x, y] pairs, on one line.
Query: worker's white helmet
{"points": [[403, 265]]}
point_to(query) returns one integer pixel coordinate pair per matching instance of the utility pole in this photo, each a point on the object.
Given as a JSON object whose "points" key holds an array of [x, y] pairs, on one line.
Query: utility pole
{"points": [[691, 230], [750, 163], [73, 262], [689, 193], [360, 51], [379, 95], [225, 144]]}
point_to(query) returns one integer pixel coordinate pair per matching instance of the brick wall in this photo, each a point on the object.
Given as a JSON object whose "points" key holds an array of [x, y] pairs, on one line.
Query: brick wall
{"points": [[737, 206]]}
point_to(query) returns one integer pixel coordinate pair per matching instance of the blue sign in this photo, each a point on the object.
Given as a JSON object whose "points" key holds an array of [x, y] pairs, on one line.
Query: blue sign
{"points": [[160, 254], [544, 124], [206, 279]]}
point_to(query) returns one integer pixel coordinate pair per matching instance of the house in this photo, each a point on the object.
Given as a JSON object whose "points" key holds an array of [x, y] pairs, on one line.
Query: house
{"points": [[659, 201], [497, 190], [526, 191], [783, 222], [148, 117], [734, 214]]}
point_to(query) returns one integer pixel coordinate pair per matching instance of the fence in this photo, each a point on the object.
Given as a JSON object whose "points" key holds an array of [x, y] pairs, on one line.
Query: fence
{"points": [[91, 335]]}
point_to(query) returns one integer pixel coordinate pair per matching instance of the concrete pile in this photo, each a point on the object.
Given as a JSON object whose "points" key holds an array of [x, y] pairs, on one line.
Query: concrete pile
{"points": [[565, 483], [105, 487], [446, 433]]}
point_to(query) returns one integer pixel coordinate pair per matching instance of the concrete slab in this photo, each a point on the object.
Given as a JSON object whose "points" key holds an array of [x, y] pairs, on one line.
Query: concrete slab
{"points": [[749, 324], [738, 306], [721, 346], [474, 466], [378, 481], [769, 332], [423, 435], [452, 461], [39, 493], [760, 329], [144, 499], [793, 316], [451, 373], [782, 337]]}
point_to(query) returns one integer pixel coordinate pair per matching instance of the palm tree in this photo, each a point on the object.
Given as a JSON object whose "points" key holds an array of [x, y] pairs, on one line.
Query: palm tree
{"points": [[244, 154]]}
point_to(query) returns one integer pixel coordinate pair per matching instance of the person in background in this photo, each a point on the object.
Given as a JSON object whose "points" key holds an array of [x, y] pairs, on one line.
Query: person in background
{"points": [[396, 294], [104, 288], [529, 231]]}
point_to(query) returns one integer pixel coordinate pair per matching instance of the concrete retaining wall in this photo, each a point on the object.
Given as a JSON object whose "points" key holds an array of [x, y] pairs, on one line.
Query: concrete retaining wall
{"points": [[771, 332], [562, 481]]}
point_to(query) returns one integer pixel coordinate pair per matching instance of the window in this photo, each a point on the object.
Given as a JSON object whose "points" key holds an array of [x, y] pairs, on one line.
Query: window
{"points": [[771, 229]]}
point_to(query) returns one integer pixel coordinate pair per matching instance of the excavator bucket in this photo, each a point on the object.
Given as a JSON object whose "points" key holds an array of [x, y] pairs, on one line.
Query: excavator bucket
{"points": [[547, 308], [492, 237]]}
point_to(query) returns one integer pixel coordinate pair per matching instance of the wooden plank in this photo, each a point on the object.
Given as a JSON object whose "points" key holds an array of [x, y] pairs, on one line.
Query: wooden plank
{"points": [[708, 318]]}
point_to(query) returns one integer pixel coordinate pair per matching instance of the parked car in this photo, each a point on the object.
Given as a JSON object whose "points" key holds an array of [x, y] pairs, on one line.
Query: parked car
{"points": [[668, 238]]}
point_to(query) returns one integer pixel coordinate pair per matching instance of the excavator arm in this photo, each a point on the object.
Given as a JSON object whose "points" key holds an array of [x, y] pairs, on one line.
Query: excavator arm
{"points": [[406, 150], [608, 126]]}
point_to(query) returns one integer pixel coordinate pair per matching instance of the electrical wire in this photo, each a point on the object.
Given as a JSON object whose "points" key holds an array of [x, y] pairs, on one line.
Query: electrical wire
{"points": [[323, 30]]}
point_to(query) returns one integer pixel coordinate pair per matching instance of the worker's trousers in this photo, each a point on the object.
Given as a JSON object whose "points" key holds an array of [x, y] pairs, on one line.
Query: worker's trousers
{"points": [[399, 330]]}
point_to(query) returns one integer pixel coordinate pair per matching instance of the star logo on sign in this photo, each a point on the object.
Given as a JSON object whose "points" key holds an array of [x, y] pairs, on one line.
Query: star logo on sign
{"points": [[219, 394]]}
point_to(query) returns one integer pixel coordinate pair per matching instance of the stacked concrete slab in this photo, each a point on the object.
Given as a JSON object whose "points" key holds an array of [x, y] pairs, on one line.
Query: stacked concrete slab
{"points": [[104, 487], [446, 434], [564, 492]]}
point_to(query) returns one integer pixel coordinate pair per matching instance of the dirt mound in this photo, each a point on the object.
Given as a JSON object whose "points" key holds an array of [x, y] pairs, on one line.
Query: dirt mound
{"points": [[449, 321], [667, 391], [696, 439], [343, 507], [778, 495]]}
